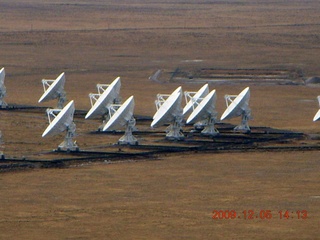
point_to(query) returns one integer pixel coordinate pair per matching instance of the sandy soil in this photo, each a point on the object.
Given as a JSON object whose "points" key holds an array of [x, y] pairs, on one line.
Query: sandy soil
{"points": [[174, 196]]}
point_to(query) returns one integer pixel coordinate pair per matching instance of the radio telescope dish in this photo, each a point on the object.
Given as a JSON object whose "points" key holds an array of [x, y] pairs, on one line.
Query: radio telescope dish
{"points": [[206, 111], [123, 116], [317, 116], [169, 111], [193, 98], [107, 94], [155, 77], [3, 90], [61, 120], [54, 89], [1, 143], [238, 105]]}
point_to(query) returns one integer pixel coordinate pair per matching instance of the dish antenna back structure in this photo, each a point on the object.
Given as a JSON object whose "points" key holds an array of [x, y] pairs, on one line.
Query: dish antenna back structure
{"points": [[54, 89], [206, 112], [317, 116], [61, 120], [169, 111], [122, 116], [238, 105], [3, 90], [100, 102]]}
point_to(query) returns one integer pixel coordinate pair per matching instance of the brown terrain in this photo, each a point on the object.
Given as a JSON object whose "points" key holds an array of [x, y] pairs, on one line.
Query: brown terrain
{"points": [[172, 195]]}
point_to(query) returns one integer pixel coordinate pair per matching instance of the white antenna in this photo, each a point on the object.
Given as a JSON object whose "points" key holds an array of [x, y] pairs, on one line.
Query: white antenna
{"points": [[169, 111], [206, 111], [155, 77], [1, 147], [193, 98], [100, 102], [317, 116], [3, 90], [54, 89], [120, 117], [238, 105], [61, 120]]}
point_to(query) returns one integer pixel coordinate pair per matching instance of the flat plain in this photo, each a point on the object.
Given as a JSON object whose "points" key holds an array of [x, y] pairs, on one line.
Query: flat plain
{"points": [[174, 195]]}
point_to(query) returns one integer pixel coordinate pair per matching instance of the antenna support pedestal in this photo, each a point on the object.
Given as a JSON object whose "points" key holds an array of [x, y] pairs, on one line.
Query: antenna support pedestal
{"points": [[128, 138], [1, 147], [1, 155], [105, 119], [61, 99], [3, 104], [244, 126], [200, 125], [3, 91], [209, 129], [174, 131], [68, 144]]}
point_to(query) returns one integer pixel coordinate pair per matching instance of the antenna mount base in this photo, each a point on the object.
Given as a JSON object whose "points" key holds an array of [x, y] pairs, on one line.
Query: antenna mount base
{"points": [[244, 126], [128, 138], [68, 144], [174, 131]]}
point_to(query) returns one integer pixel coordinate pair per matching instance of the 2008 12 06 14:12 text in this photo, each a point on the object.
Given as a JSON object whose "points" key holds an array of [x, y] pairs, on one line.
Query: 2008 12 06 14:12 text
{"points": [[262, 214]]}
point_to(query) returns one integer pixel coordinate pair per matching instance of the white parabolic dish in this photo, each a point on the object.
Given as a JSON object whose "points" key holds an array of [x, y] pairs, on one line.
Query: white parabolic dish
{"points": [[55, 89], [205, 109], [121, 116], [107, 97], [61, 121], [169, 109], [2, 76], [238, 105], [317, 116], [200, 94]]}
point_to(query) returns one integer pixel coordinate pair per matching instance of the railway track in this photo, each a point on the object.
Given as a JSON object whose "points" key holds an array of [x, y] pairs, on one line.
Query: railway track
{"points": [[145, 152], [154, 145]]}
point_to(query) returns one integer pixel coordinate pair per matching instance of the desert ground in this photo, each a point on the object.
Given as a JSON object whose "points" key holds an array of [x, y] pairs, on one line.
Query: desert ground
{"points": [[170, 195]]}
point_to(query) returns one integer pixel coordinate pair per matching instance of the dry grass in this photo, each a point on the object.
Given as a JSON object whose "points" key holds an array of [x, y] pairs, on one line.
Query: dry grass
{"points": [[173, 197]]}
